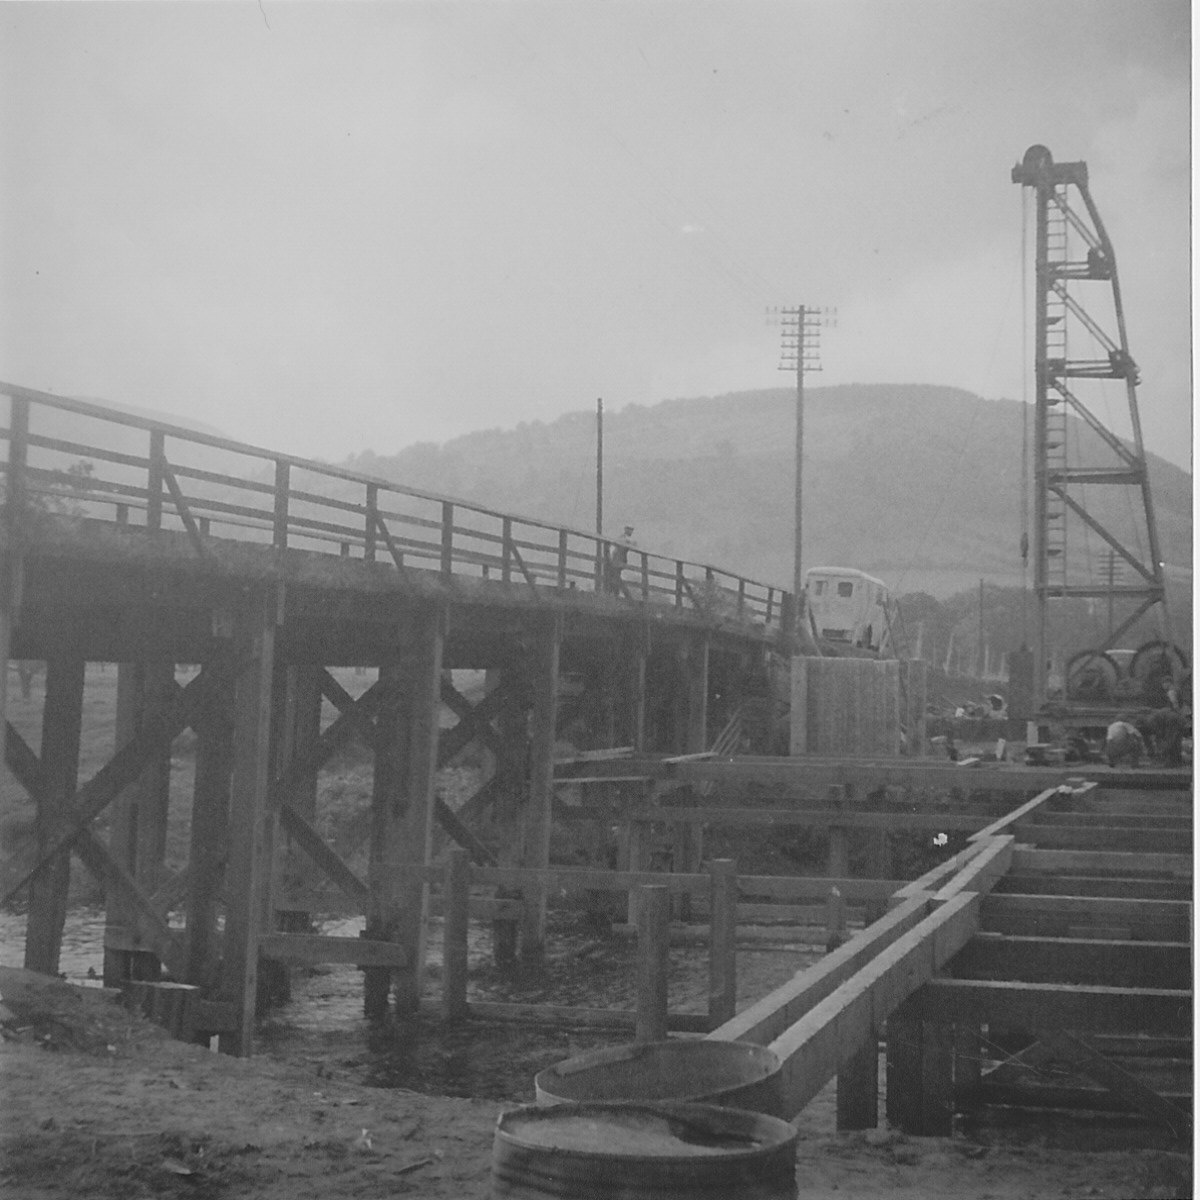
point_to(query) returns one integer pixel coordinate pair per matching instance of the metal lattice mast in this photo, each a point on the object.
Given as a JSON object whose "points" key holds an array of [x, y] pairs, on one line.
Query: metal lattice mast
{"points": [[1072, 249]]}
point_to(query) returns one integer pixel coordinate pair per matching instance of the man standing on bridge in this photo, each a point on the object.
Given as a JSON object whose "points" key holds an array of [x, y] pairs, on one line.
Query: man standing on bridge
{"points": [[618, 561]]}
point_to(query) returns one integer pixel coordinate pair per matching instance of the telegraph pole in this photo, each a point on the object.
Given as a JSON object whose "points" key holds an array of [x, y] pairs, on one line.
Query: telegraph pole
{"points": [[800, 352], [600, 468]]}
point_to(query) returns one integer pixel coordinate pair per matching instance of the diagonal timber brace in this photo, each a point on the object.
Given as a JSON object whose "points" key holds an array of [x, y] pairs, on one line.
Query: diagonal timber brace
{"points": [[119, 772], [26, 767]]}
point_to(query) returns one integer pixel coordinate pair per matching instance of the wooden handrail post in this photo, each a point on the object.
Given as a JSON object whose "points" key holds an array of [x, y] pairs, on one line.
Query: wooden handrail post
{"points": [[155, 480], [369, 533], [456, 894], [447, 538], [653, 931], [283, 472], [722, 946]]}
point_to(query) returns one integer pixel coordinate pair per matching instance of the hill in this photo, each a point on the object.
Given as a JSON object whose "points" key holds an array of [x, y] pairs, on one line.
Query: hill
{"points": [[919, 485]]}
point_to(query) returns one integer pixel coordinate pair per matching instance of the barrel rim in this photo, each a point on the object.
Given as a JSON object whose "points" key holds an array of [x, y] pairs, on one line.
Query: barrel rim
{"points": [[776, 1125]]}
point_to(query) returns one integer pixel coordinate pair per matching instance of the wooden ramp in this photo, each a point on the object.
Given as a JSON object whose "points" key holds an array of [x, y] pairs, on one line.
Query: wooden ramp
{"points": [[1048, 965]]}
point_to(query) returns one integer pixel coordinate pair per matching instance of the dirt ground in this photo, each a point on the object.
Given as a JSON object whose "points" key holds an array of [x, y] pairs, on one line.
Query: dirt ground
{"points": [[97, 1103]]}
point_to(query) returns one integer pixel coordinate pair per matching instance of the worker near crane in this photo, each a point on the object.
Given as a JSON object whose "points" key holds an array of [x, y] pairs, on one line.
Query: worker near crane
{"points": [[1123, 743]]}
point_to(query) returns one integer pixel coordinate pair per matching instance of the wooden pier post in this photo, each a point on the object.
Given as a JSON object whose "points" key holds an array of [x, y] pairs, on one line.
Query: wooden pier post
{"points": [[536, 814], [382, 863], [722, 957], [653, 946], [510, 781], [689, 838], [880, 851], [402, 811], [11, 533], [920, 1075], [858, 1087], [456, 901], [249, 869], [209, 842], [138, 835], [631, 706], [301, 726], [61, 720]]}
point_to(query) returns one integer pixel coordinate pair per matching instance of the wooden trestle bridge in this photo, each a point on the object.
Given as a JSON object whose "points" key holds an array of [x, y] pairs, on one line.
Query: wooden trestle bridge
{"points": [[228, 582]]}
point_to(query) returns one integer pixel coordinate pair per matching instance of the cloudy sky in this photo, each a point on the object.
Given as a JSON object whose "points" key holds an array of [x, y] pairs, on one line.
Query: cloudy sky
{"points": [[330, 227]]}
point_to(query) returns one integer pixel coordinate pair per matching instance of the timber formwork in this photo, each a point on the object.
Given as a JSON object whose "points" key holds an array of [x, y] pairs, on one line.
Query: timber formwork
{"points": [[1047, 966], [227, 601]]}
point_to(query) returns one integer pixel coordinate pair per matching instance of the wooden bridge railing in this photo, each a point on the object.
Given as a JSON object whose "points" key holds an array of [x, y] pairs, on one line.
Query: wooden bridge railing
{"points": [[73, 457]]}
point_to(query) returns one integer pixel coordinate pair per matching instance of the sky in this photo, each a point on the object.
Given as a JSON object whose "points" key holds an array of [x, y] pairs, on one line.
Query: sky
{"points": [[329, 227]]}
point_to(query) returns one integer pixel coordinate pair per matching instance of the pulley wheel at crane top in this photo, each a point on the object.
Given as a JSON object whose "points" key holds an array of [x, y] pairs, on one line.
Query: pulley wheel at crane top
{"points": [[1092, 675], [1158, 660]]}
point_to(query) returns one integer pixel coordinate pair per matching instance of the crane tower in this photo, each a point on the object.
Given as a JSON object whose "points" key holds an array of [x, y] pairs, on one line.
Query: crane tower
{"points": [[1091, 487]]}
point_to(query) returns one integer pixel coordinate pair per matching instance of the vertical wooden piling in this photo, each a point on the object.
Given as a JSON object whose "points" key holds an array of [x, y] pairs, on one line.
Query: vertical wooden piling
{"points": [[903, 1071], [248, 873], [138, 834], [535, 815], [920, 1075], [631, 709], [301, 726], [61, 719], [880, 867], [835, 918], [513, 727], [382, 862], [839, 854], [968, 1065], [689, 838], [835, 904], [858, 1087], [455, 925], [414, 828], [11, 534], [799, 706], [722, 956], [653, 926], [209, 840]]}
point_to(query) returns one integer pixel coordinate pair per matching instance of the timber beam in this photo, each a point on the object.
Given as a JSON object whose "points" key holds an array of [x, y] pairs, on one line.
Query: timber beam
{"points": [[1103, 862], [1118, 887], [1084, 1008], [1100, 836], [1074, 961], [1074, 916], [770, 1017], [833, 1032]]}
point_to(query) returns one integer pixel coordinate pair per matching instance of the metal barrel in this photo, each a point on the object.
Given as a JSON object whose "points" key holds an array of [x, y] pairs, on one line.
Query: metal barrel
{"points": [[642, 1152]]}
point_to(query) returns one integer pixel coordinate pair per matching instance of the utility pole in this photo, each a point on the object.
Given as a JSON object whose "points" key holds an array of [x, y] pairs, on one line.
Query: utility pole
{"points": [[800, 352], [981, 656], [599, 468]]}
